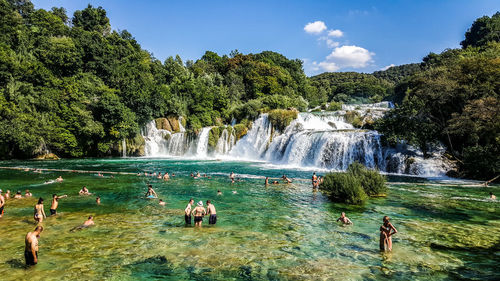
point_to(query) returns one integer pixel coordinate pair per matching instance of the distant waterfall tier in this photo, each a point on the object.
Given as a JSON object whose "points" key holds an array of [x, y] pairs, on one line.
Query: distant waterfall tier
{"points": [[316, 140]]}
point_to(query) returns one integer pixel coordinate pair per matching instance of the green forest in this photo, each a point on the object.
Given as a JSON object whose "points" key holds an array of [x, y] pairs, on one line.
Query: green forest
{"points": [[73, 86]]}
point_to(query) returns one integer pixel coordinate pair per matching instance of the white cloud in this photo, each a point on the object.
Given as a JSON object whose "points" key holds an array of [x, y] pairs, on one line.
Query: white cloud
{"points": [[315, 27], [328, 66], [387, 67], [335, 33], [350, 56], [332, 44]]}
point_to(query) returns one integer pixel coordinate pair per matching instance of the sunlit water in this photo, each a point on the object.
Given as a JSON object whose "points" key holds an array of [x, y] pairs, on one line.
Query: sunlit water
{"points": [[283, 232]]}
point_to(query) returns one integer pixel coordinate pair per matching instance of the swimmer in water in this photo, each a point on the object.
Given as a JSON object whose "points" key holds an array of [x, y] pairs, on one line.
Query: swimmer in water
{"points": [[173, 175], [276, 182], [162, 203], [198, 213], [151, 193], [7, 194], [31, 246], [28, 193], [59, 179], [98, 200], [89, 222], [492, 196], [55, 203], [84, 191], [386, 232], [232, 180], [235, 192], [39, 212], [219, 193], [166, 176], [231, 176], [18, 195], [345, 220], [286, 179], [159, 176], [267, 180]]}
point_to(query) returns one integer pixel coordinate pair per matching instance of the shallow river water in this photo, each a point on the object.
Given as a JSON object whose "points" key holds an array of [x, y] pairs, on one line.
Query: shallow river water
{"points": [[447, 230]]}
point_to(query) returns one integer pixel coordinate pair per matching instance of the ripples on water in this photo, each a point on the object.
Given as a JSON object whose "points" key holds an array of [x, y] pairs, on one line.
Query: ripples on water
{"points": [[283, 232]]}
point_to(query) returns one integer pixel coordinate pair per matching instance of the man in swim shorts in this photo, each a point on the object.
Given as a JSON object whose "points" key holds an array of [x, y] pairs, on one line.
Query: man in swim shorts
{"points": [[55, 203], [31, 246], [2, 203], [211, 211], [198, 213], [187, 211]]}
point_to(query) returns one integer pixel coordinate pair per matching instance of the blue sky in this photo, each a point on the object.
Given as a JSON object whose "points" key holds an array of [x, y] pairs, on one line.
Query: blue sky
{"points": [[361, 36]]}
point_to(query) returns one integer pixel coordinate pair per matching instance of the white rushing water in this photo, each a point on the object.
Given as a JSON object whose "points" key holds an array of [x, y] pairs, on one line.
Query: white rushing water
{"points": [[314, 140]]}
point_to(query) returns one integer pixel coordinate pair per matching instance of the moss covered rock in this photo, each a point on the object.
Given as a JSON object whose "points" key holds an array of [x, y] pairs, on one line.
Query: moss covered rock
{"points": [[239, 131], [213, 136], [163, 124], [281, 118], [47, 156], [135, 146], [174, 124]]}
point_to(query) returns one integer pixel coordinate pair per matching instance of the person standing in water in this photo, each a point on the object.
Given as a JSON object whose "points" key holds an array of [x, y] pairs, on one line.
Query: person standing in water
{"points": [[39, 212], [31, 246], [28, 193], [344, 219], [198, 213], [231, 176], [211, 211], [151, 193], [314, 180], [386, 232], [492, 196], [2, 203], [187, 211], [98, 200], [59, 179], [7, 195], [267, 181], [55, 203]]}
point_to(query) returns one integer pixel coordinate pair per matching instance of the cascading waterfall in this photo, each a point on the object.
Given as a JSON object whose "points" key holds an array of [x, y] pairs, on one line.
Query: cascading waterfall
{"points": [[124, 148], [317, 140]]}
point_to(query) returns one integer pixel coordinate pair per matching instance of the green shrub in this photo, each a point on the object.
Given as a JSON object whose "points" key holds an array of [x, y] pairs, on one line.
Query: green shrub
{"points": [[281, 118], [355, 185], [213, 136], [343, 187], [334, 106], [372, 182]]}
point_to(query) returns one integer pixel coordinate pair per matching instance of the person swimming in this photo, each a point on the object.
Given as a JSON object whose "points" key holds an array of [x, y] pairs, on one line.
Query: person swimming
{"points": [[159, 176], [267, 181], [162, 203], [166, 176], [198, 213], [231, 176], [219, 193], [151, 193], [59, 179], [386, 232], [84, 191], [89, 222], [18, 195], [28, 193], [286, 179], [345, 220], [39, 212], [492, 196], [98, 200]]}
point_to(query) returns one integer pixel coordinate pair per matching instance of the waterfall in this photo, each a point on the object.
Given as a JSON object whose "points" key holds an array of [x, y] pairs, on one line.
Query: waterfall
{"points": [[202, 143], [316, 140], [124, 148]]}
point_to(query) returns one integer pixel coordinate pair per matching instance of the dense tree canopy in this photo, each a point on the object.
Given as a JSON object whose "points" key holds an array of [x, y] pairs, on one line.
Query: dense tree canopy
{"points": [[78, 89]]}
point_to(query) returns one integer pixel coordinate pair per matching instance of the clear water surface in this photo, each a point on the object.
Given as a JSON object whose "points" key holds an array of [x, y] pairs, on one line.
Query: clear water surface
{"points": [[447, 230]]}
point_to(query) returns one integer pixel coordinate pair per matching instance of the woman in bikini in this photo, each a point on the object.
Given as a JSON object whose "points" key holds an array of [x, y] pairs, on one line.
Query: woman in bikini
{"points": [[386, 231], [39, 213]]}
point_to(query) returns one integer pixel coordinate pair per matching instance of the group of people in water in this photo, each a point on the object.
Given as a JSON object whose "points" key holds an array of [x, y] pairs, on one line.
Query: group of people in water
{"points": [[387, 230]]}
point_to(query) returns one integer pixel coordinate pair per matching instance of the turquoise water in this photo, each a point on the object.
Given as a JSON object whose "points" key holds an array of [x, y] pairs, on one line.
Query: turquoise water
{"points": [[284, 232]]}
